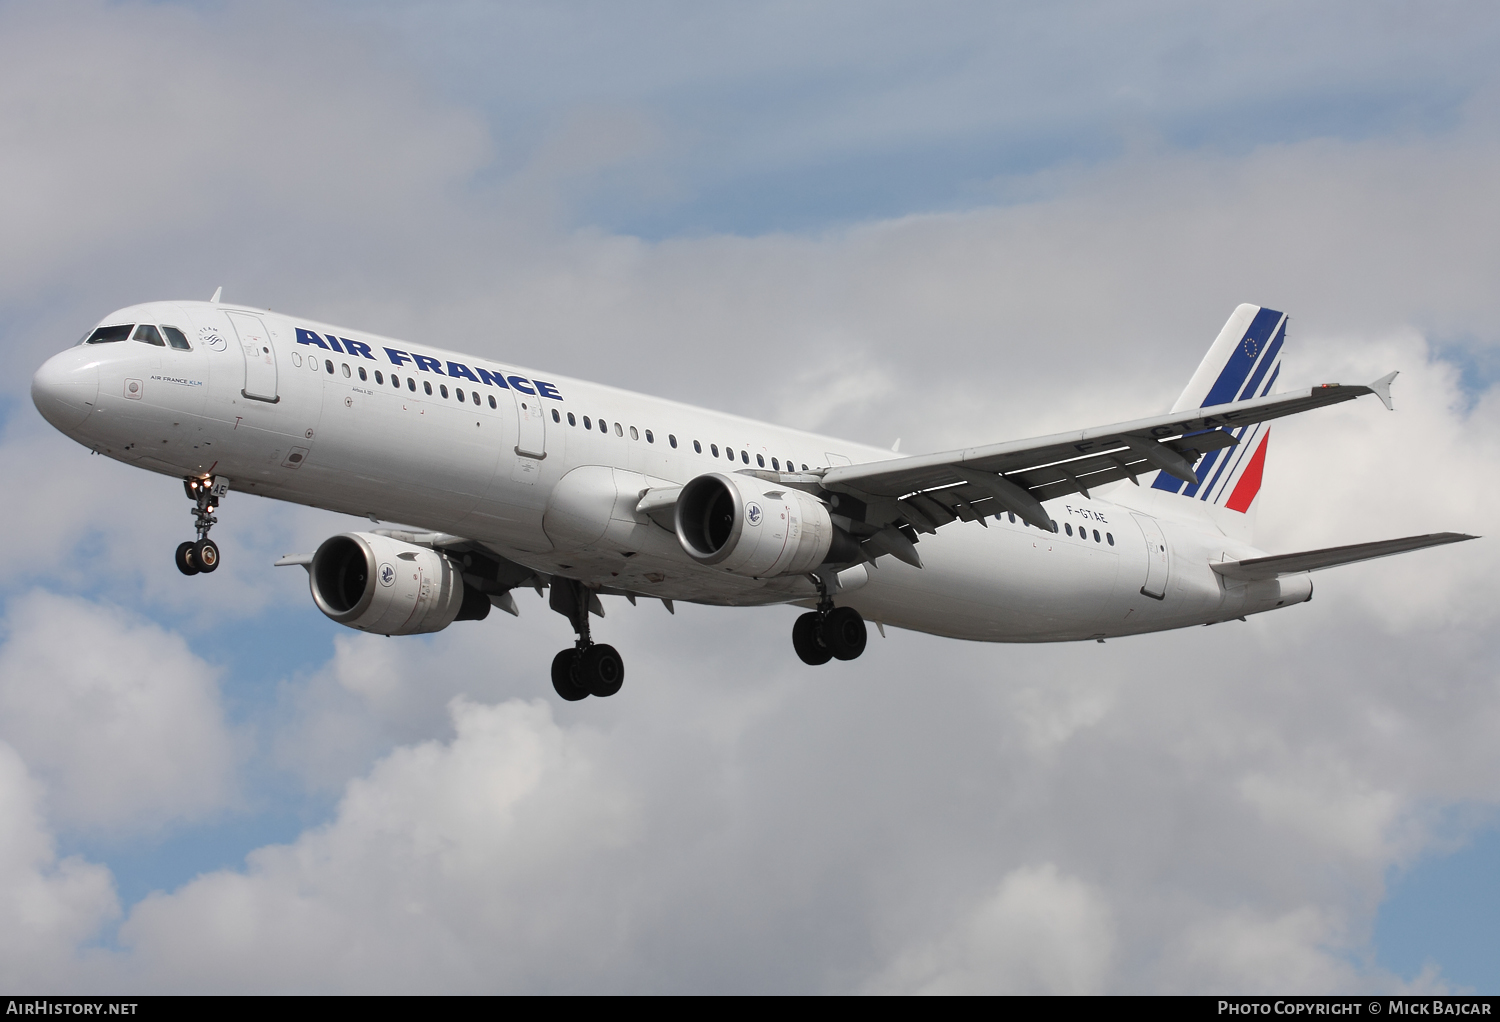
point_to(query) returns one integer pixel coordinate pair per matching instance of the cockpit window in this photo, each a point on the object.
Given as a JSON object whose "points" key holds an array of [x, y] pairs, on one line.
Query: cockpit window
{"points": [[106, 334], [148, 333], [176, 339]]}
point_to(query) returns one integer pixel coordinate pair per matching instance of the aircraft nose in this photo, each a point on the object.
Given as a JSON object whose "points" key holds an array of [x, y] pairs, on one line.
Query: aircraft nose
{"points": [[66, 388]]}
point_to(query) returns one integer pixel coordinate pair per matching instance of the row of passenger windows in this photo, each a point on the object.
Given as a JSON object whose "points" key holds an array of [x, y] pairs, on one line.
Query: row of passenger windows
{"points": [[588, 422], [145, 333], [1083, 533], [635, 434], [411, 382]]}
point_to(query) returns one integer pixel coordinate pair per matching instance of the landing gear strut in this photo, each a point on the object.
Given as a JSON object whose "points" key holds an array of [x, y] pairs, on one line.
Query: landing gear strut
{"points": [[589, 668], [202, 556], [829, 632]]}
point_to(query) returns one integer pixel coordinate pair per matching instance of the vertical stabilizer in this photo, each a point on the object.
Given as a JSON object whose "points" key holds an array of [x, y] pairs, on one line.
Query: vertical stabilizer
{"points": [[1243, 362]]}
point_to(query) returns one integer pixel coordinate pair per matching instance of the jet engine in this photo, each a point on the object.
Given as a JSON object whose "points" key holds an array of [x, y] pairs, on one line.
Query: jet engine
{"points": [[382, 585], [744, 526]]}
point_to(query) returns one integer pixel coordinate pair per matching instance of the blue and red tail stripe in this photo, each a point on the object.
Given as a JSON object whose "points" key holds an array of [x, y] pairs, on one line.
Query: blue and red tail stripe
{"points": [[1256, 357]]}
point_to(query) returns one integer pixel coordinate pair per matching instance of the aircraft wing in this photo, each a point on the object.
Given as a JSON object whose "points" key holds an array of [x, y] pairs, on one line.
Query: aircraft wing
{"points": [[931, 490], [1258, 568]]}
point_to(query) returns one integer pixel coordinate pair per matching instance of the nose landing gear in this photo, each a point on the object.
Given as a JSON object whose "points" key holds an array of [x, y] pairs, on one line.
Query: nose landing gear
{"points": [[203, 555], [589, 668]]}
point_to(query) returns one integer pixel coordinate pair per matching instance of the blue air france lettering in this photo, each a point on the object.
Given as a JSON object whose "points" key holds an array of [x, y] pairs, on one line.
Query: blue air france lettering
{"points": [[613, 493], [428, 364]]}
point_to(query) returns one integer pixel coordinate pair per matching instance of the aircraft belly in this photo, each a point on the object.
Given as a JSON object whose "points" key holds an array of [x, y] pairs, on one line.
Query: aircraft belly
{"points": [[1008, 583]]}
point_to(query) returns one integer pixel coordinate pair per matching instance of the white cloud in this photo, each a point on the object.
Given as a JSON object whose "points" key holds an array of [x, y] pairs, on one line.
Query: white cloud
{"points": [[51, 907], [482, 851], [118, 718], [1039, 932]]}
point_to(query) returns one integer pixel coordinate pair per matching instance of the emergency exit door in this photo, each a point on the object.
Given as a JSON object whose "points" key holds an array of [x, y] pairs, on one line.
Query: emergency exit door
{"points": [[531, 437], [1157, 564]]}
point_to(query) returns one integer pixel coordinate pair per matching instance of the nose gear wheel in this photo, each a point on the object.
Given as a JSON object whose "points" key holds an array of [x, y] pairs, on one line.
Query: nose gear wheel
{"points": [[200, 557]]}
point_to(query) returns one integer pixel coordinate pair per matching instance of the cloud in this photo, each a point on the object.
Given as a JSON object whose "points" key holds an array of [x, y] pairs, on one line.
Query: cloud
{"points": [[1039, 933], [117, 717], [52, 907], [482, 849]]}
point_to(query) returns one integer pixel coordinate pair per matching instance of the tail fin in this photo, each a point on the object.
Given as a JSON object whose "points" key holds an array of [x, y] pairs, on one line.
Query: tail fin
{"points": [[1243, 362]]}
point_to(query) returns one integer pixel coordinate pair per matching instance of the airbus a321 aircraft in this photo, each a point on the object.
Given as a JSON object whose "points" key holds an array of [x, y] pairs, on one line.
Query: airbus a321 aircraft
{"points": [[506, 477]]}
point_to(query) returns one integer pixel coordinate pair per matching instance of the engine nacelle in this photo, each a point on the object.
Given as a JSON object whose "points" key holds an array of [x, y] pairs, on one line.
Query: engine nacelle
{"points": [[751, 528], [382, 585]]}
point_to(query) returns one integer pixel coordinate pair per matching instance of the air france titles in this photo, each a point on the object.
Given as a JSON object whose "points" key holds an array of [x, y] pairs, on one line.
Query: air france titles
{"points": [[428, 364]]}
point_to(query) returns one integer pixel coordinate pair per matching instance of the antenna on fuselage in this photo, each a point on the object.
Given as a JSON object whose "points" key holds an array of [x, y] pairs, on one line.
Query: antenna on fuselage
{"points": [[217, 292]]}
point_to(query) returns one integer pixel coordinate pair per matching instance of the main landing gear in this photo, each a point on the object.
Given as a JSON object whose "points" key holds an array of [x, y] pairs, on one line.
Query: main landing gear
{"points": [[202, 556], [828, 633], [589, 668]]}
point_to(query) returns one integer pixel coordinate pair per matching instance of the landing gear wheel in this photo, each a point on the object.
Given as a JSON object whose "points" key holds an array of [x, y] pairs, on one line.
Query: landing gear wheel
{"points": [[206, 555], [187, 563], [563, 676], [844, 633], [805, 640], [601, 671]]}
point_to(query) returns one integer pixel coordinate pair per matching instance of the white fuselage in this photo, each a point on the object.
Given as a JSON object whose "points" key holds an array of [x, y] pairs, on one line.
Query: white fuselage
{"points": [[277, 422]]}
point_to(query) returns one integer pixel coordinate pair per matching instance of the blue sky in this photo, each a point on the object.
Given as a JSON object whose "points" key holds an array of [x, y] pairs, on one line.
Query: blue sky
{"points": [[944, 222]]}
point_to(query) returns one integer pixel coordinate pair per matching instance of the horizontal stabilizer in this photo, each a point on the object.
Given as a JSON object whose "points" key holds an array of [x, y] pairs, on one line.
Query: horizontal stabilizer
{"points": [[1258, 568]]}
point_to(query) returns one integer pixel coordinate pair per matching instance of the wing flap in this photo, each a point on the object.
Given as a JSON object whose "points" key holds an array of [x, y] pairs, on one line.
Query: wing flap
{"points": [[1259, 568]]}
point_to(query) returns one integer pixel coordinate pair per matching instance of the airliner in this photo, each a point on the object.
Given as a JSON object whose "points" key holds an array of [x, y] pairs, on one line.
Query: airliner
{"points": [[493, 477]]}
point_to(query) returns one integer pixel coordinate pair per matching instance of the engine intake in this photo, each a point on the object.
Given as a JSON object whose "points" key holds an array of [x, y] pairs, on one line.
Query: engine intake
{"points": [[382, 585], [739, 524]]}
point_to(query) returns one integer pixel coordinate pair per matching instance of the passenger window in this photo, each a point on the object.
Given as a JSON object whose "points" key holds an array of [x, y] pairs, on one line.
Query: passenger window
{"points": [[745, 457], [555, 416], [649, 438], [328, 364], [492, 402], [586, 423], [312, 364], [362, 375], [176, 339], [110, 334], [714, 448], [672, 439], [427, 386], [458, 393], [603, 426], [776, 464], [572, 421], [443, 389], [1070, 530], [699, 448], [147, 333], [804, 466], [760, 459], [475, 396], [1111, 537], [1096, 535], [411, 384], [346, 370], [1012, 516], [633, 434], [618, 430], [379, 378]]}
